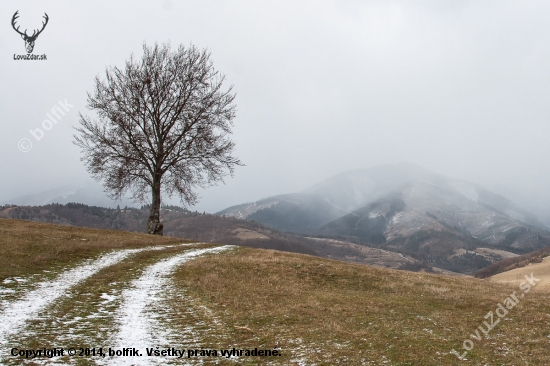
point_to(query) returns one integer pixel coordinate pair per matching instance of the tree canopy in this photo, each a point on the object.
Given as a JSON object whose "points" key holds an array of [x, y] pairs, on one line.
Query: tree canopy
{"points": [[162, 127]]}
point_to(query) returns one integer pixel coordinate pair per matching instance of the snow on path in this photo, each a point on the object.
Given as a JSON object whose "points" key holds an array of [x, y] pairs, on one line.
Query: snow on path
{"points": [[137, 326], [14, 316]]}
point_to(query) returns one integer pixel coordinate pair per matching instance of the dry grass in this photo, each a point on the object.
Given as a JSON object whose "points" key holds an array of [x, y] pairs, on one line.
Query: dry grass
{"points": [[317, 311], [328, 312], [513, 277], [28, 247]]}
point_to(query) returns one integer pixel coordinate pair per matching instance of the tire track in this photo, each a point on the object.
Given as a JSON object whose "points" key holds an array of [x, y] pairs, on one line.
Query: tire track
{"points": [[16, 314], [139, 313]]}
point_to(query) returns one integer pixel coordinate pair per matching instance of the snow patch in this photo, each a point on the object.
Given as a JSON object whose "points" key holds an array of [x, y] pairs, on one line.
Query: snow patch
{"points": [[107, 297], [6, 290], [138, 327], [16, 314]]}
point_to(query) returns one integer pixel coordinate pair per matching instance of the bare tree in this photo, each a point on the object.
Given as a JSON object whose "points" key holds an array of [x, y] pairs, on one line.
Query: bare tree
{"points": [[163, 128]]}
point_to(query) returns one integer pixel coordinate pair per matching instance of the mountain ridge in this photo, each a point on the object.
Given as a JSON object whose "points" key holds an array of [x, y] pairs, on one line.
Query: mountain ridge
{"points": [[408, 209]]}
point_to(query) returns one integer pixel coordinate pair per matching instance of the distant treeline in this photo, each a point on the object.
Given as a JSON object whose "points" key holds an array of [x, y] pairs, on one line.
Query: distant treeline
{"points": [[79, 214]]}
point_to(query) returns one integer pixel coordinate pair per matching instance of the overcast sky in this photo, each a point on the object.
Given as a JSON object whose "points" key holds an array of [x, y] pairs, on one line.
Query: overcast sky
{"points": [[458, 87]]}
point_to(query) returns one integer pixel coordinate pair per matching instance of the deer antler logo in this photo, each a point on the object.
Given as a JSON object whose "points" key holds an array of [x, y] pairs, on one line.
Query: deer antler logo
{"points": [[29, 40]]}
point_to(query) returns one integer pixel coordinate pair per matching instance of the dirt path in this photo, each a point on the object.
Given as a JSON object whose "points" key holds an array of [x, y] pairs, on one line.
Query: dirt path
{"points": [[14, 316], [77, 307], [140, 323]]}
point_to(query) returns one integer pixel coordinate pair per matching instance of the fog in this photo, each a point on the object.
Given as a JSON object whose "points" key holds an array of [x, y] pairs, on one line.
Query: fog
{"points": [[460, 88]]}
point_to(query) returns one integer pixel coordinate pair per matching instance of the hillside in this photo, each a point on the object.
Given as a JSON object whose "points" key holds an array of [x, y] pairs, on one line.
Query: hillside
{"points": [[29, 247], [513, 263], [299, 212], [396, 231], [77, 214], [349, 191], [401, 223], [308, 309], [540, 270], [410, 210], [181, 223]]}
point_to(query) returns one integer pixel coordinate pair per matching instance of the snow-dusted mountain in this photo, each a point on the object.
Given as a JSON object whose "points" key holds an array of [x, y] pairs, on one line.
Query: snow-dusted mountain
{"points": [[402, 207], [346, 192]]}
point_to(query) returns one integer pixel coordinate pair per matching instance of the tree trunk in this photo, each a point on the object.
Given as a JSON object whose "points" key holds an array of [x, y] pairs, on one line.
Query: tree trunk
{"points": [[154, 226]]}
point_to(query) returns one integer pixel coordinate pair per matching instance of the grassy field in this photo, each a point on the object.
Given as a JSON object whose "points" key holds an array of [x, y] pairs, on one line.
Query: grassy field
{"points": [[29, 247], [327, 312], [515, 276], [313, 311]]}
